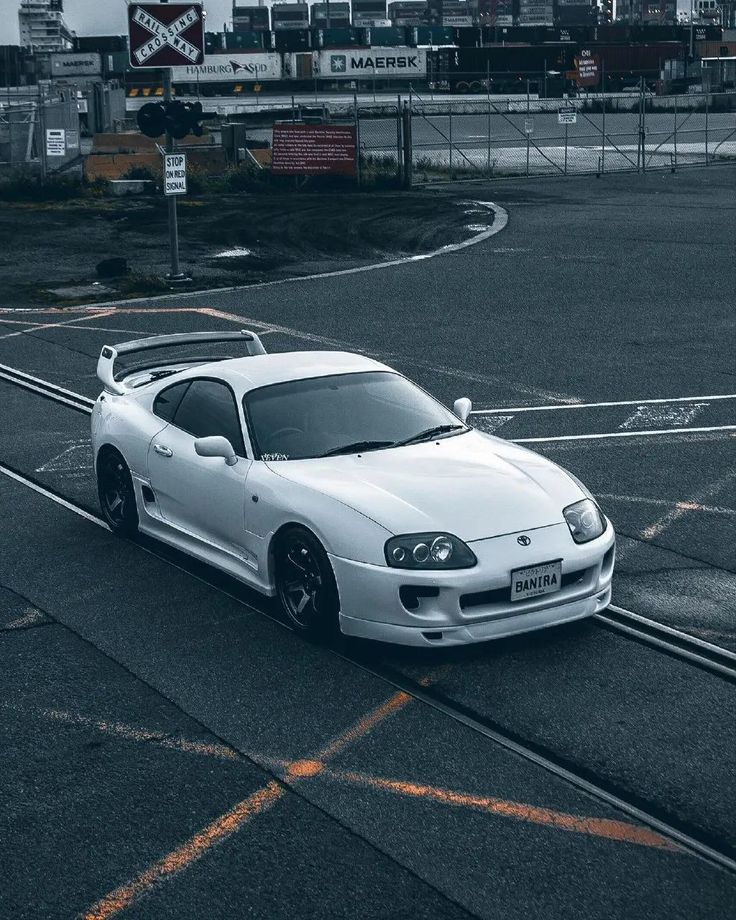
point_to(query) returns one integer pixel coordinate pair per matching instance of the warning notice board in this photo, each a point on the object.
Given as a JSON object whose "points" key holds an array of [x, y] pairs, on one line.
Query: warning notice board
{"points": [[313, 150], [588, 70]]}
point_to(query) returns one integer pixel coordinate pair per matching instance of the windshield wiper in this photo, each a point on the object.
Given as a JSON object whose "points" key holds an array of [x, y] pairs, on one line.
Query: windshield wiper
{"points": [[428, 434], [357, 446]]}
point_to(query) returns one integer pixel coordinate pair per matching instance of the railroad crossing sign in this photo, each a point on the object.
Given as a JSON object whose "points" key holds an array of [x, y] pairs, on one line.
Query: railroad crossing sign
{"points": [[165, 34]]}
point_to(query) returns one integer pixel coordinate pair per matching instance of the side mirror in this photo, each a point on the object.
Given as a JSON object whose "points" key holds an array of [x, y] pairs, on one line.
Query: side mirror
{"points": [[216, 446], [462, 408]]}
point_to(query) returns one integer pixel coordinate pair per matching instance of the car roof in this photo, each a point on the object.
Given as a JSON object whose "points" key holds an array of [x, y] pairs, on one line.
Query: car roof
{"points": [[246, 374]]}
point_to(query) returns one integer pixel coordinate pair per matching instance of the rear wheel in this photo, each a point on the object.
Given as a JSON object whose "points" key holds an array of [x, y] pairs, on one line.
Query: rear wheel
{"points": [[116, 493], [305, 583]]}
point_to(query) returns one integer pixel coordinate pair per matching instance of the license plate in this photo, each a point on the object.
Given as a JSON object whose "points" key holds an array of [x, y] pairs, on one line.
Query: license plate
{"points": [[536, 580]]}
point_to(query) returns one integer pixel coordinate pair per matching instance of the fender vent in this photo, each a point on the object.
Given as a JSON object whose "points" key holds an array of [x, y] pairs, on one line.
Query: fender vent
{"points": [[147, 493]]}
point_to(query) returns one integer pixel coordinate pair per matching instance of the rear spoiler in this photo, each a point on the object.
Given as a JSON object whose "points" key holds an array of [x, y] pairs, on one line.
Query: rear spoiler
{"points": [[110, 353]]}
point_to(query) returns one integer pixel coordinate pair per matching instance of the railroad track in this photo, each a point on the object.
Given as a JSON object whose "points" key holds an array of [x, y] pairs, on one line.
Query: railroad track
{"points": [[674, 642], [709, 657]]}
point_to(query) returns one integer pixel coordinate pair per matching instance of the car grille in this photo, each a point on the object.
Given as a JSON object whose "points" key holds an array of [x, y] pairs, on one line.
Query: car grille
{"points": [[503, 595]]}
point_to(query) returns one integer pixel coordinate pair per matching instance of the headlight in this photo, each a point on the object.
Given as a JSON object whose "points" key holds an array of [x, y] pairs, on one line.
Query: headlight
{"points": [[428, 551], [585, 520]]}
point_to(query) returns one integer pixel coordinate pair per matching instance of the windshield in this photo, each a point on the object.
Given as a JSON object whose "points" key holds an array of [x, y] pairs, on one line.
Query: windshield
{"points": [[345, 413]]}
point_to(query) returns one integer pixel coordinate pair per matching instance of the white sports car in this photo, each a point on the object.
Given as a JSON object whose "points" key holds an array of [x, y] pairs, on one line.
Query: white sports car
{"points": [[333, 482]]}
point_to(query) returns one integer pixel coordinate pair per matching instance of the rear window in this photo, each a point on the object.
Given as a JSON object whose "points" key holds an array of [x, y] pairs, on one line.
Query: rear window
{"points": [[167, 401]]}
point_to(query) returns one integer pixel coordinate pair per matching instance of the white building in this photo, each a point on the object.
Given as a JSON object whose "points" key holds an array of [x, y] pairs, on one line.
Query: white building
{"points": [[42, 26]]}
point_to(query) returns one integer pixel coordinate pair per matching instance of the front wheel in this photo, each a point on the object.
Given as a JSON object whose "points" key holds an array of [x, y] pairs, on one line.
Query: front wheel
{"points": [[116, 492], [305, 583]]}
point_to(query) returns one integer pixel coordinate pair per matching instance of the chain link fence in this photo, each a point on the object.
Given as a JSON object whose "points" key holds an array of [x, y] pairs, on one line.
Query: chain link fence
{"points": [[39, 132], [420, 141]]}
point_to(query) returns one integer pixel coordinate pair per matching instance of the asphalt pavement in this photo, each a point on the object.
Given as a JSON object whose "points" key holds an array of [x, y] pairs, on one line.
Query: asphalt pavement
{"points": [[173, 750]]}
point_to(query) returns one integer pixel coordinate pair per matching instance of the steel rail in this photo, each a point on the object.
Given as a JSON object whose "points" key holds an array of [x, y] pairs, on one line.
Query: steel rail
{"points": [[46, 389], [674, 642], [682, 836]]}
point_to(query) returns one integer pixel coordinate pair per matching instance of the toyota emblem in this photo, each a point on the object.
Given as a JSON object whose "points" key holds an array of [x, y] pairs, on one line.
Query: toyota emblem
{"points": [[523, 540]]}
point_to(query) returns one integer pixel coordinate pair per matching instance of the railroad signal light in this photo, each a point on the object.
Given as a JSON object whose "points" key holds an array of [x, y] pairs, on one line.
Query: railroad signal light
{"points": [[151, 119], [175, 117]]}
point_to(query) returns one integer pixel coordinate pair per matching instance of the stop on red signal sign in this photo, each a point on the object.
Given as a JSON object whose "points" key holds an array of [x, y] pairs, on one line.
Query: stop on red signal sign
{"points": [[165, 34]]}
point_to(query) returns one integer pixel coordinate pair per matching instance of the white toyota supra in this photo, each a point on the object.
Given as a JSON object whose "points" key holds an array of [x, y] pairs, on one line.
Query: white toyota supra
{"points": [[331, 481]]}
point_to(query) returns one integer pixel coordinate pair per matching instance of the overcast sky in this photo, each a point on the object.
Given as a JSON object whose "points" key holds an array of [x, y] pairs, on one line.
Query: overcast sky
{"points": [[102, 17], [107, 17]]}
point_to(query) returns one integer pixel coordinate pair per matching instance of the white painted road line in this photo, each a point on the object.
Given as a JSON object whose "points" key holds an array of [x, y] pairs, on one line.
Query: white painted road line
{"points": [[647, 416], [596, 405], [621, 434], [664, 502]]}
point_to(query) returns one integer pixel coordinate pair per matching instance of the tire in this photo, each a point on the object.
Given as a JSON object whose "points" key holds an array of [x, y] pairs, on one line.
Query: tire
{"points": [[116, 493], [305, 584]]}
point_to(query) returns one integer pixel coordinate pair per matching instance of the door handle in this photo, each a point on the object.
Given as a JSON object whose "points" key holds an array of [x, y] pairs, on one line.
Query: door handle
{"points": [[164, 451]]}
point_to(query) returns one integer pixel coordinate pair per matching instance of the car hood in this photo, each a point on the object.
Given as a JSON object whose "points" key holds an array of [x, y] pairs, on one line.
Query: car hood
{"points": [[472, 485]]}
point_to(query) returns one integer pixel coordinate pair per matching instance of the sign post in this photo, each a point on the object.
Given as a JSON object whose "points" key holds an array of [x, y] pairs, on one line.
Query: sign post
{"points": [[168, 35]]}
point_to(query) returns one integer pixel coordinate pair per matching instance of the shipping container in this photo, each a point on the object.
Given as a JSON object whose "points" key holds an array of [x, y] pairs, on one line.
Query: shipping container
{"points": [[245, 40], [385, 37], [337, 38]]}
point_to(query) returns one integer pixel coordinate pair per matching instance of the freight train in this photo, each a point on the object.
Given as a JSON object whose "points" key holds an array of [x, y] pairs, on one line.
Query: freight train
{"points": [[496, 60]]}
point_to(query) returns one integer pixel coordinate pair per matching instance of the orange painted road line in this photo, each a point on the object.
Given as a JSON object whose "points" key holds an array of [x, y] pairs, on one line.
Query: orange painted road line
{"points": [[190, 851], [30, 616], [75, 319], [597, 827], [239, 815], [363, 726], [681, 508], [128, 732]]}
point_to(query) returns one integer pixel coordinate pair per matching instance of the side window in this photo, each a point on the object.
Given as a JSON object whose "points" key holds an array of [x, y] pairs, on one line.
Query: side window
{"points": [[167, 401], [208, 408]]}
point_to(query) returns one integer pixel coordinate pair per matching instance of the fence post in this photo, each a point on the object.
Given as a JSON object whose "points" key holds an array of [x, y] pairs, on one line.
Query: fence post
{"points": [[42, 132], [489, 135], [565, 148], [527, 133], [675, 132], [641, 156], [452, 174], [706, 128], [357, 139], [406, 126], [398, 138], [603, 123]]}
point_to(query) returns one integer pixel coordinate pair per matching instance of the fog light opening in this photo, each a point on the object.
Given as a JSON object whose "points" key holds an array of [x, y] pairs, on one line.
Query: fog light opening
{"points": [[410, 595]]}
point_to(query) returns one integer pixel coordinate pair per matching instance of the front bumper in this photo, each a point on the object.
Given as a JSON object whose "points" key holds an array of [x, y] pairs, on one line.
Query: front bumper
{"points": [[473, 605]]}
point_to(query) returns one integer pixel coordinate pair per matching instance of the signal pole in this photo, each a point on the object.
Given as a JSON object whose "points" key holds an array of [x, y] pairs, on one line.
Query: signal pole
{"points": [[176, 274]]}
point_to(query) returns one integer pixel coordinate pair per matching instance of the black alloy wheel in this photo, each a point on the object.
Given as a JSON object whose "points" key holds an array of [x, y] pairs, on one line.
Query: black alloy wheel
{"points": [[116, 492], [305, 583]]}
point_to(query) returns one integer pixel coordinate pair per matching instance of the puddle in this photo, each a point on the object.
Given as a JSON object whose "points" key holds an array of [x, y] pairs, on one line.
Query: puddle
{"points": [[233, 253]]}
